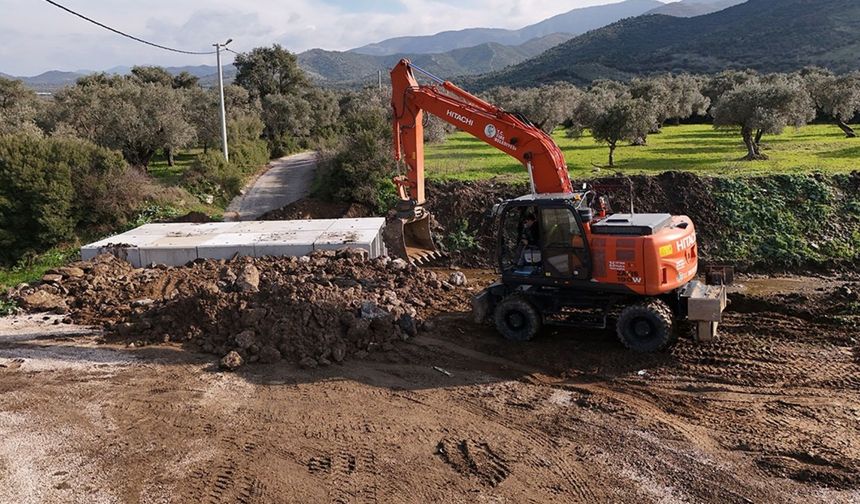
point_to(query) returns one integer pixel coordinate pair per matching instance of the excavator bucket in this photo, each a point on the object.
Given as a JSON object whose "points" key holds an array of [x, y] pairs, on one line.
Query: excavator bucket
{"points": [[412, 240]]}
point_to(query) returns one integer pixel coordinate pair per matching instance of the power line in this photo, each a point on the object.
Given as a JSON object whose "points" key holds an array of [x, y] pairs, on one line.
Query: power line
{"points": [[106, 27]]}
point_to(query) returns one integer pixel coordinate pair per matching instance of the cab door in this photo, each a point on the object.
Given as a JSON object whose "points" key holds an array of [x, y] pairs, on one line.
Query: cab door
{"points": [[564, 249]]}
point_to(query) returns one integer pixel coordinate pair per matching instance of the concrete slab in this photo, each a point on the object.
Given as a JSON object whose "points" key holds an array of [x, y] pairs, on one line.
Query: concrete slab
{"points": [[178, 244], [311, 225], [336, 240], [227, 246]]}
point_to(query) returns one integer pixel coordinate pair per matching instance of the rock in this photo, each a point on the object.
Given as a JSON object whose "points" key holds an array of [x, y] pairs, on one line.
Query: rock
{"points": [[49, 278], [140, 303], [308, 363], [457, 278], [227, 276], [249, 279], [245, 339], [44, 301], [125, 329], [269, 355], [70, 272], [407, 324], [352, 253], [232, 361], [338, 353], [370, 310], [398, 264]]}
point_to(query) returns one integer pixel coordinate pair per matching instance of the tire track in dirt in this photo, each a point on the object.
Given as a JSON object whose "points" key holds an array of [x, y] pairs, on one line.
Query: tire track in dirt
{"points": [[553, 457]]}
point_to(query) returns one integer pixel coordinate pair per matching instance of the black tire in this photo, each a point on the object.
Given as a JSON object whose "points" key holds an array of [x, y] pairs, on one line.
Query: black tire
{"points": [[517, 319], [646, 327]]}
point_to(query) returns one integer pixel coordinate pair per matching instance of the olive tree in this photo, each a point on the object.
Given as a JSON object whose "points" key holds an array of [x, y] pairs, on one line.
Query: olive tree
{"points": [[613, 115], [837, 97], [719, 84], [295, 112], [547, 106], [123, 114], [671, 97], [203, 112], [18, 107], [765, 106]]}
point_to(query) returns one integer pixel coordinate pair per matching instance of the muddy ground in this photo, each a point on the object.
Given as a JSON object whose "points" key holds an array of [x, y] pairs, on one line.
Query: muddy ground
{"points": [[770, 413]]}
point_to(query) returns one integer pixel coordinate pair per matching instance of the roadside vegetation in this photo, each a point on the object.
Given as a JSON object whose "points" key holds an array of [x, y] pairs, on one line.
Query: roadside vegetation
{"points": [[116, 151]]}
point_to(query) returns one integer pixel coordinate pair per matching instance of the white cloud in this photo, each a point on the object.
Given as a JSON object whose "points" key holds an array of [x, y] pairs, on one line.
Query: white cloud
{"points": [[39, 37]]}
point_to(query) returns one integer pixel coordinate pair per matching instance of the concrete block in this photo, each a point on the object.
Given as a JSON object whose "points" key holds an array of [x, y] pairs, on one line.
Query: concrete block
{"points": [[227, 246], [287, 243], [336, 240]]}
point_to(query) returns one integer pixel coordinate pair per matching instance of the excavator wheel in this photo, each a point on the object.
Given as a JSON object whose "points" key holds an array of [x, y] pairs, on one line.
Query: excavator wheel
{"points": [[646, 326], [517, 319]]}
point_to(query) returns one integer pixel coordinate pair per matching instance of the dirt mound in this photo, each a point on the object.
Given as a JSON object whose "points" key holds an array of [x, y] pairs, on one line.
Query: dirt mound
{"points": [[193, 217], [312, 310], [313, 208]]}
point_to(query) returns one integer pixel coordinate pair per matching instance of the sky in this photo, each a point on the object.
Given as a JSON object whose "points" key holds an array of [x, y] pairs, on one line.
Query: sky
{"points": [[39, 37]]}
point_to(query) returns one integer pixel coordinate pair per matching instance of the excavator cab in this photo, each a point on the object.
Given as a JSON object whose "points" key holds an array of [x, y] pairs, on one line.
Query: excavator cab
{"points": [[543, 238]]}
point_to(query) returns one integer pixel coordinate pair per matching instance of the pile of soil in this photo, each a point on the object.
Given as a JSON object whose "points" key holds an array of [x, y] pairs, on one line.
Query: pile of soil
{"points": [[314, 208], [313, 310]]}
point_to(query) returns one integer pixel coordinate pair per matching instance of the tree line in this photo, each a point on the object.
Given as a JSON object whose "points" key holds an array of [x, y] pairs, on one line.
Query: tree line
{"points": [[751, 103], [78, 162]]}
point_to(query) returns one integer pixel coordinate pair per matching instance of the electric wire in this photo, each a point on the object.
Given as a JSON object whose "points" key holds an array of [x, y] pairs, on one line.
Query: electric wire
{"points": [[132, 37]]}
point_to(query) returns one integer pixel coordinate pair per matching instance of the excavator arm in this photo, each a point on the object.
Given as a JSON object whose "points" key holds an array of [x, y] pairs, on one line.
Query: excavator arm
{"points": [[514, 135], [511, 134]]}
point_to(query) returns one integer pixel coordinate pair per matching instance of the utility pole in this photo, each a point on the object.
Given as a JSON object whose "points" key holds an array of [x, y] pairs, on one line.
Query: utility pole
{"points": [[224, 148]]}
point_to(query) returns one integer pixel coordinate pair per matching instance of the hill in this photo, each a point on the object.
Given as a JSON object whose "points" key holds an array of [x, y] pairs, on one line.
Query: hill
{"points": [[692, 8], [574, 22], [759, 34], [346, 67]]}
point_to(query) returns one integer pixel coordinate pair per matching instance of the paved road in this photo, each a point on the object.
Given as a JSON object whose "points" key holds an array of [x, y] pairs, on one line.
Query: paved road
{"points": [[287, 180]]}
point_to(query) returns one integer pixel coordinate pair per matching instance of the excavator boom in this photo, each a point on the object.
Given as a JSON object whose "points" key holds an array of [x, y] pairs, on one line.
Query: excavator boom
{"points": [[509, 133]]}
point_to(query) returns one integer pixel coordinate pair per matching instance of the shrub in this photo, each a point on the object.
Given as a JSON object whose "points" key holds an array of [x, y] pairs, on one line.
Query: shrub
{"points": [[461, 239], [211, 175], [52, 187], [36, 195]]}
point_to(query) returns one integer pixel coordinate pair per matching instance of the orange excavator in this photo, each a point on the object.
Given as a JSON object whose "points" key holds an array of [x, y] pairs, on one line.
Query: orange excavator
{"points": [[564, 260]]}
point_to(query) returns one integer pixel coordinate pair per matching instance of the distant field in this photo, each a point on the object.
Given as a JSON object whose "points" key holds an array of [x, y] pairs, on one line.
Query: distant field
{"points": [[696, 148]]}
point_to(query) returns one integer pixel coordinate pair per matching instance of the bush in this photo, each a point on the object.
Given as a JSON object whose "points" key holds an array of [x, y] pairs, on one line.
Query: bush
{"points": [[35, 196], [211, 175], [52, 187], [360, 172], [461, 239]]}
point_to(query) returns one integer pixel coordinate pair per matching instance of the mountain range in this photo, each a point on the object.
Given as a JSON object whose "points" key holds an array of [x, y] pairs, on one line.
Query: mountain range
{"points": [[450, 54], [574, 22], [692, 8], [700, 36], [765, 35]]}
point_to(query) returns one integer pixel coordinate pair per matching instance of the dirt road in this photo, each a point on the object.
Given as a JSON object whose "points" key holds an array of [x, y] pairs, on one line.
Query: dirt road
{"points": [[287, 180], [769, 414]]}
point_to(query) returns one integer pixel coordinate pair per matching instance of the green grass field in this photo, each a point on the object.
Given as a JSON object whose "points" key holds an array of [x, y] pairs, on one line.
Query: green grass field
{"points": [[171, 175], [695, 148]]}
